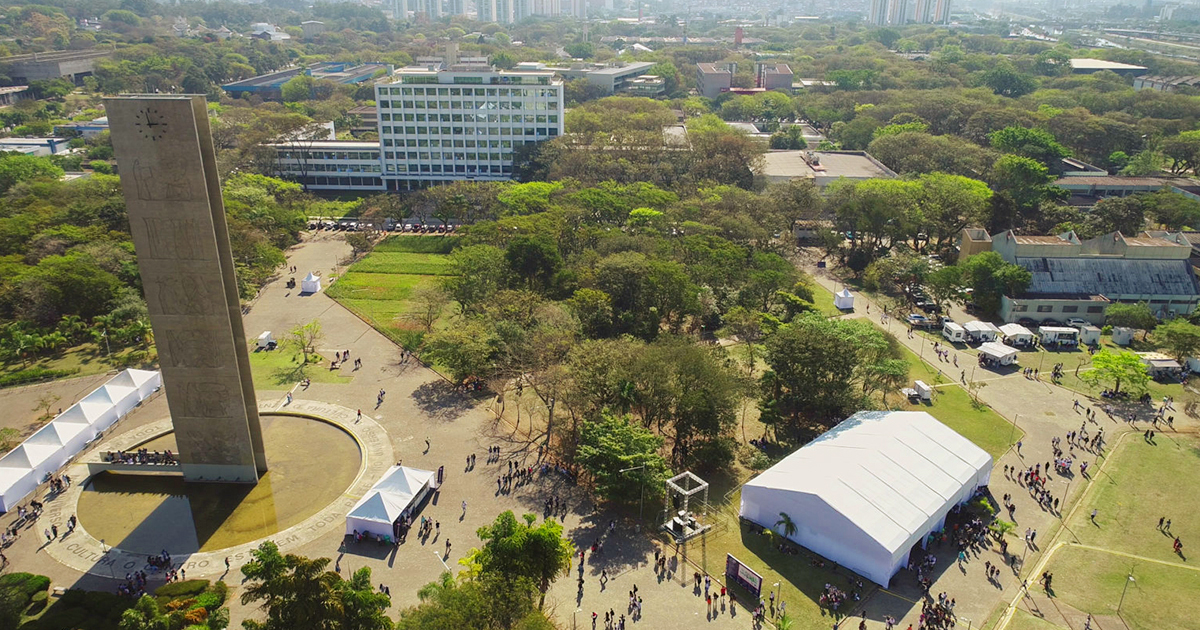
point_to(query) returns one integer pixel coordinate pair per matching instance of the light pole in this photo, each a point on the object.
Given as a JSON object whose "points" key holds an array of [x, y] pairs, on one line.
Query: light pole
{"points": [[775, 605], [1128, 579], [641, 490]]}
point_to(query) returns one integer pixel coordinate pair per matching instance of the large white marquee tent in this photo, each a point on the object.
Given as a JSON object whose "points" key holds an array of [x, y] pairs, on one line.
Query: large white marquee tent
{"points": [[52, 446], [867, 491], [388, 500]]}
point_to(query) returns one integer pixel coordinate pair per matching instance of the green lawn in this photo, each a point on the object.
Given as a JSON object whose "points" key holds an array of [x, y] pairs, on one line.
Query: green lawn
{"points": [[281, 368], [823, 300], [1141, 483], [1161, 597], [403, 262], [952, 406], [800, 582], [87, 358], [418, 244], [378, 287]]}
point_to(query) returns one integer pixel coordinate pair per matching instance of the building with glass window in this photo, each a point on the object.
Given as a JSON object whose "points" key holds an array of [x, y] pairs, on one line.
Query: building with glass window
{"points": [[463, 123], [331, 165]]}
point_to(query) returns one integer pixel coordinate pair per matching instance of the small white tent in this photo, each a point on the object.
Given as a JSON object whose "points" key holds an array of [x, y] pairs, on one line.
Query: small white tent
{"points": [[1016, 335], [868, 491], [998, 352], [146, 381], [844, 300], [311, 283], [398, 491]]}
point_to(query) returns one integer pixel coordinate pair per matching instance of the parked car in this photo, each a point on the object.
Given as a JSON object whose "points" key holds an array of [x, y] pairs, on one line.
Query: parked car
{"points": [[1078, 322], [1051, 322], [920, 321], [930, 307], [1028, 322]]}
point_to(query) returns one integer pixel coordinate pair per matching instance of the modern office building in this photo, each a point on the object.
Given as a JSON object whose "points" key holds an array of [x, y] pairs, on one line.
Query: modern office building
{"points": [[613, 79], [774, 76], [712, 78], [331, 166], [438, 126]]}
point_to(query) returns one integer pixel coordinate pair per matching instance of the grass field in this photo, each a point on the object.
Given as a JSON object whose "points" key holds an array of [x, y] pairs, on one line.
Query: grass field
{"points": [[1024, 621], [1141, 483], [87, 358], [1161, 597], [378, 287], [282, 368]]}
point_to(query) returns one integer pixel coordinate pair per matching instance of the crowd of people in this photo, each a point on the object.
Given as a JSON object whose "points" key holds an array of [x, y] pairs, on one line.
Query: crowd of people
{"points": [[141, 456]]}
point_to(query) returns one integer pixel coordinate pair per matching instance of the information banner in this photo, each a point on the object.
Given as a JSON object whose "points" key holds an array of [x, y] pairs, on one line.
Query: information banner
{"points": [[737, 572]]}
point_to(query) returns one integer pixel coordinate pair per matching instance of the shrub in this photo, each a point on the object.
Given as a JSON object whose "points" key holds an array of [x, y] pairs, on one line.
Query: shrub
{"points": [[180, 604], [29, 583], [37, 603], [195, 616], [33, 375], [221, 590], [185, 588], [1107, 330], [209, 600]]}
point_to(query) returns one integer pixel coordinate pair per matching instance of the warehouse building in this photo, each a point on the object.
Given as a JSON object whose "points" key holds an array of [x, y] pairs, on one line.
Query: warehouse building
{"points": [[1076, 278]]}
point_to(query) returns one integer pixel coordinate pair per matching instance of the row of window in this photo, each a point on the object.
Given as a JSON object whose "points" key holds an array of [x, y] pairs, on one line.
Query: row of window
{"points": [[479, 131], [480, 118], [469, 105], [335, 168], [452, 91], [372, 156], [344, 182], [460, 144], [425, 156], [449, 168], [1049, 308]]}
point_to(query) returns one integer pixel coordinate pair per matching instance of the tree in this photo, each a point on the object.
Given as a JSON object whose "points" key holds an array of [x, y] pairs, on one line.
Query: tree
{"points": [[305, 337], [1183, 150], [12, 603], [746, 325], [614, 443], [515, 549], [298, 88], [294, 591], [428, 302], [785, 525], [1117, 368], [478, 271], [487, 601], [911, 152], [1179, 338], [467, 349], [991, 278], [790, 138], [359, 243], [593, 308], [533, 259], [1137, 316], [361, 605], [1036, 144], [1004, 79], [1173, 210], [46, 401], [944, 285], [25, 168], [144, 615], [1023, 179], [1126, 215]]}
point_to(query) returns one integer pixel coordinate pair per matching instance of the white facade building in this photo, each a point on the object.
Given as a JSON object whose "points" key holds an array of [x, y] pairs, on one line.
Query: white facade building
{"points": [[437, 126], [325, 165]]}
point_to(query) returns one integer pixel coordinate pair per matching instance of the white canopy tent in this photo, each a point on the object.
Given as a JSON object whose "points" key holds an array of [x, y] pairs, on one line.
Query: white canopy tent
{"points": [[1000, 353], [52, 446], [844, 300], [869, 490], [397, 492], [311, 283], [1016, 334], [982, 331]]}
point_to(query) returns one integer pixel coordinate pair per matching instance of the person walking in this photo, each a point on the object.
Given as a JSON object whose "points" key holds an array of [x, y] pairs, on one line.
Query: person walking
{"points": [[1093, 515]]}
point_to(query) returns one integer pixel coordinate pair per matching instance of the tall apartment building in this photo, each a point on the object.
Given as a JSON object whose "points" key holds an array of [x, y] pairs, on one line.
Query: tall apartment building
{"points": [[500, 11], [438, 126], [894, 12]]}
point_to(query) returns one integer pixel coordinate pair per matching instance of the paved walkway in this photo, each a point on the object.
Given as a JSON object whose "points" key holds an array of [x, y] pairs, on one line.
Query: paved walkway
{"points": [[1039, 408]]}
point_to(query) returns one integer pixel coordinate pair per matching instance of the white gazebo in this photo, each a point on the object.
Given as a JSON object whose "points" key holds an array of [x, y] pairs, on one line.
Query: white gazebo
{"points": [[311, 283], [868, 491], [390, 499], [999, 353], [844, 300]]}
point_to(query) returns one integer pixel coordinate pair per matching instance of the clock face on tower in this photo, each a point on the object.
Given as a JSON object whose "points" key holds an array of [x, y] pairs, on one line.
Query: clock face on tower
{"points": [[150, 124]]}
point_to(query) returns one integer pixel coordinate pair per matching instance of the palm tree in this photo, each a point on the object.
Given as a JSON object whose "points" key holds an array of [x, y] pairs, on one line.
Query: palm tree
{"points": [[72, 326], [784, 622], [430, 591], [786, 526]]}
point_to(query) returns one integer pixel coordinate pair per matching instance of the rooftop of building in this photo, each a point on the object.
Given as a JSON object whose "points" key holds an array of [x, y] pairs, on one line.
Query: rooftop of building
{"points": [[1172, 80], [470, 75], [1025, 239], [804, 163], [711, 68], [1113, 277], [1102, 64], [58, 55], [629, 67], [341, 72], [777, 68]]}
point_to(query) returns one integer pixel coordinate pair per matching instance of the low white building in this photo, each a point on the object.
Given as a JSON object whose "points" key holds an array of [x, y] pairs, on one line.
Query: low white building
{"points": [[1016, 335]]}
